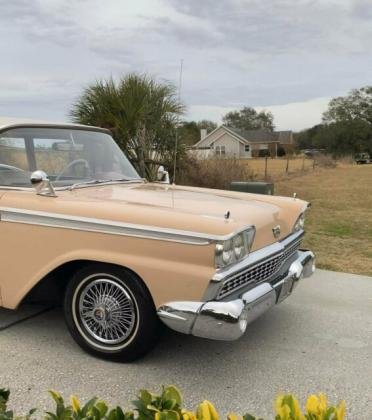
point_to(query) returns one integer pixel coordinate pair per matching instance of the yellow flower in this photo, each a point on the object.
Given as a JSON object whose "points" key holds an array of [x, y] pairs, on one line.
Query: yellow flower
{"points": [[297, 409], [75, 403], [281, 408], [207, 411], [284, 411], [212, 411], [341, 411], [56, 396], [188, 415], [312, 405], [233, 416], [202, 412], [279, 402], [322, 403]]}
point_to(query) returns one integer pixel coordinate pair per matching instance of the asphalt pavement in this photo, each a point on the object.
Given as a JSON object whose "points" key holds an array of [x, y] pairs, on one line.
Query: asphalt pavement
{"points": [[318, 340]]}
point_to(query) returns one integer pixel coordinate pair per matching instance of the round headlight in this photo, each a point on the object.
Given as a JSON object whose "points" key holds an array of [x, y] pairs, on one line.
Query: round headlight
{"points": [[234, 249], [227, 254], [300, 223], [249, 235], [238, 242]]}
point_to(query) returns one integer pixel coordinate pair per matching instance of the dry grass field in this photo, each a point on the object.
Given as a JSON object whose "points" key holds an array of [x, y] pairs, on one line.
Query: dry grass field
{"points": [[339, 224]]}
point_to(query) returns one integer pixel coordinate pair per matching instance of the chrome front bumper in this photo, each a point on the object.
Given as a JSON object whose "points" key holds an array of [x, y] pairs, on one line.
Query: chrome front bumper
{"points": [[228, 320]]}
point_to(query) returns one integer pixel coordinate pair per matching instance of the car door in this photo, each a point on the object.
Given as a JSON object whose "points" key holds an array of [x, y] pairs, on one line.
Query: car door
{"points": [[14, 182]]}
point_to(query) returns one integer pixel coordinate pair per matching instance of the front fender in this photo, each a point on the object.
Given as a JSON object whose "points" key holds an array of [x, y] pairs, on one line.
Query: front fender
{"points": [[171, 271]]}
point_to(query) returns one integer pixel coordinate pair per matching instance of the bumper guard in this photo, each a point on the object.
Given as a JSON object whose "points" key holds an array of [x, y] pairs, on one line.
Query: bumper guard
{"points": [[221, 320]]}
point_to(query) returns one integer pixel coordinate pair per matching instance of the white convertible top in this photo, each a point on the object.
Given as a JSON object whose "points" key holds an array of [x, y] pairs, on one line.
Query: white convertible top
{"points": [[10, 122]]}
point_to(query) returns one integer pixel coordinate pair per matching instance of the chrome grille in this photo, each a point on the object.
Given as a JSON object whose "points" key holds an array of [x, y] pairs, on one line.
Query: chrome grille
{"points": [[259, 272], [291, 249]]}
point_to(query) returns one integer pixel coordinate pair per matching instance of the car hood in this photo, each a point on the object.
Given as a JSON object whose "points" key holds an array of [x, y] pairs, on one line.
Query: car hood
{"points": [[207, 211]]}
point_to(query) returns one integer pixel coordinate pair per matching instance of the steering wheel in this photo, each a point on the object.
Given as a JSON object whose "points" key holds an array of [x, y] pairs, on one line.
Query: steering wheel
{"points": [[72, 164]]}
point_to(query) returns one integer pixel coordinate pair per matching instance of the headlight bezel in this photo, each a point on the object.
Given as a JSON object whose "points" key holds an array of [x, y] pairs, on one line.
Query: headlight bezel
{"points": [[234, 248], [300, 223]]}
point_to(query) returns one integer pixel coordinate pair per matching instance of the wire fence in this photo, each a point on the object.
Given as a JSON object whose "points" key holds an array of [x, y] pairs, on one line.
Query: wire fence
{"points": [[273, 167]]}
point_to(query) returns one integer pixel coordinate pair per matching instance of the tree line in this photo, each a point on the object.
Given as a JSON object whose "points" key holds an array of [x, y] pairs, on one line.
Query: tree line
{"points": [[145, 117], [346, 126]]}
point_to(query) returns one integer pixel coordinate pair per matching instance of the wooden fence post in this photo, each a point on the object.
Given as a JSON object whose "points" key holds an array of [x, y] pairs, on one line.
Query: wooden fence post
{"points": [[287, 167], [265, 167], [303, 164]]}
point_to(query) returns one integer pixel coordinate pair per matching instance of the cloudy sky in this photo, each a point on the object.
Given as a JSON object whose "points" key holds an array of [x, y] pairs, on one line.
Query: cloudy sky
{"points": [[288, 56]]}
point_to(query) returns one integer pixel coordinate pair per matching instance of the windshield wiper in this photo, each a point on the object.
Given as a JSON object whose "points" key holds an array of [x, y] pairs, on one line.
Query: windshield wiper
{"points": [[102, 181]]}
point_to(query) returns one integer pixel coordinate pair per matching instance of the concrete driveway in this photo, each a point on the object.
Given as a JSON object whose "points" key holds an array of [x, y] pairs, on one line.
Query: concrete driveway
{"points": [[318, 340]]}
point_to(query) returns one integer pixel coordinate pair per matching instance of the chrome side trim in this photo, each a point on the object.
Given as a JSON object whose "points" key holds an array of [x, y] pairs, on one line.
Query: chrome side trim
{"points": [[4, 187], [56, 220]]}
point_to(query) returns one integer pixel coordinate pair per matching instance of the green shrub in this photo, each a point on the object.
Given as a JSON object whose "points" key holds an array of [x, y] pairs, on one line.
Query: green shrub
{"points": [[6, 414], [168, 406]]}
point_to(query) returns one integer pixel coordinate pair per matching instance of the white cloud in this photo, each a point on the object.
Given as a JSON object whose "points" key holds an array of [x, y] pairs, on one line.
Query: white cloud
{"points": [[293, 116], [205, 112], [298, 115], [284, 55]]}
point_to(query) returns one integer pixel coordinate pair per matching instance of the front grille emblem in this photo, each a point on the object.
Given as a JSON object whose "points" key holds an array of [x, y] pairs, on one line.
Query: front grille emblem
{"points": [[276, 231]]}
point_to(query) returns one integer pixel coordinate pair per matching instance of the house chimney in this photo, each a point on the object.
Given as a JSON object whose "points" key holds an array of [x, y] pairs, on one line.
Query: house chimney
{"points": [[203, 133]]}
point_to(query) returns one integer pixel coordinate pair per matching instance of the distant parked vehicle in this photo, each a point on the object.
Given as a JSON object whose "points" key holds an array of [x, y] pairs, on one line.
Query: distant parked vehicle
{"points": [[362, 158], [312, 152]]}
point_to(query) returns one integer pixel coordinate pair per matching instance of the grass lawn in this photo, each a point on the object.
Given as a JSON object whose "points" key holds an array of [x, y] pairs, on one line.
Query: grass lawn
{"points": [[339, 224]]}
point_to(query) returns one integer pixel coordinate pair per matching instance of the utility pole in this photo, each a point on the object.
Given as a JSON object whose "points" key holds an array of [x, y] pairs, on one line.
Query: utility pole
{"points": [[178, 121]]}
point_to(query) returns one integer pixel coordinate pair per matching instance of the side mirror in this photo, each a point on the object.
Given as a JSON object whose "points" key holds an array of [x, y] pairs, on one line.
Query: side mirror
{"points": [[42, 185], [163, 175]]}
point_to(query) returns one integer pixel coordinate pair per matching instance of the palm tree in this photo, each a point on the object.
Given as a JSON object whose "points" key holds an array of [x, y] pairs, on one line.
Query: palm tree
{"points": [[141, 113]]}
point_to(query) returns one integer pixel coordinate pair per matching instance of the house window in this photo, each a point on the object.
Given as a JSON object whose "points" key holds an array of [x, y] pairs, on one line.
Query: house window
{"points": [[220, 150], [247, 148]]}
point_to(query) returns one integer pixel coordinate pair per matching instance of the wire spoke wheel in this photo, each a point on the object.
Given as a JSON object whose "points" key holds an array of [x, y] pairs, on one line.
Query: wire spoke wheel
{"points": [[107, 311], [110, 312]]}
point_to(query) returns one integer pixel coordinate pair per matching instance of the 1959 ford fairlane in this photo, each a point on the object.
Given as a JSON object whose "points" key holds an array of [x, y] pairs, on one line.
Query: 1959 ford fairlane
{"points": [[79, 226]]}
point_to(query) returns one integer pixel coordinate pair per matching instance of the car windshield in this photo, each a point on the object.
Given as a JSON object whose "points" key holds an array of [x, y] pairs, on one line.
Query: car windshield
{"points": [[68, 156]]}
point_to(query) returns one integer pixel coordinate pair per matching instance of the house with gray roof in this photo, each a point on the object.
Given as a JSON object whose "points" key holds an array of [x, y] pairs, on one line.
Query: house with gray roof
{"points": [[232, 142]]}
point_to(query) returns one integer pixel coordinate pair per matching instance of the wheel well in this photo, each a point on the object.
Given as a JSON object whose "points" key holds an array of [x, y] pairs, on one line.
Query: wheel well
{"points": [[51, 288]]}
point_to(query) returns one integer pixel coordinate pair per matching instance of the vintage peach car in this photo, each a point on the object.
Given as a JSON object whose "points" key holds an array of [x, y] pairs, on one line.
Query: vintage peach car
{"points": [[78, 226]]}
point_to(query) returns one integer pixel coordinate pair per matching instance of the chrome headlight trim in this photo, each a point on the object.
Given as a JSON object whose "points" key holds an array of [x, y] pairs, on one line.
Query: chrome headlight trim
{"points": [[235, 248], [300, 223]]}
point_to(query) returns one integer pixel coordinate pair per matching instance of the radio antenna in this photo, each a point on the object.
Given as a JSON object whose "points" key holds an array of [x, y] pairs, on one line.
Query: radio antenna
{"points": [[177, 124]]}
